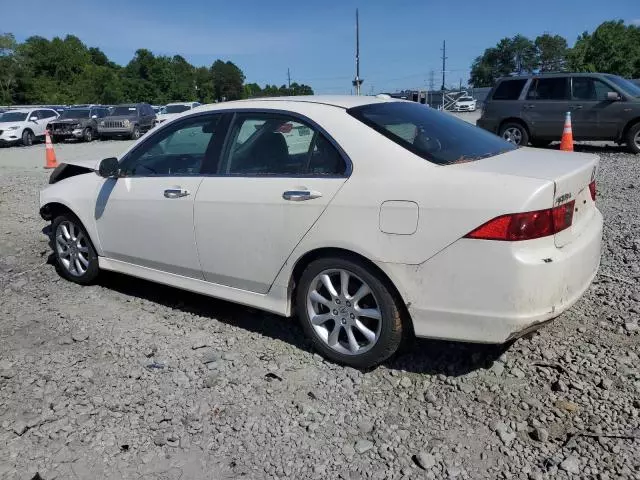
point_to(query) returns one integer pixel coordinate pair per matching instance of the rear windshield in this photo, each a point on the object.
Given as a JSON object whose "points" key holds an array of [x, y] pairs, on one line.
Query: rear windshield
{"points": [[437, 137], [123, 110], [509, 89]]}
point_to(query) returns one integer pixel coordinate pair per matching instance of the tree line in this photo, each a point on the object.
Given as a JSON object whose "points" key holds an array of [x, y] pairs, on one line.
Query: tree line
{"points": [[65, 71], [613, 47]]}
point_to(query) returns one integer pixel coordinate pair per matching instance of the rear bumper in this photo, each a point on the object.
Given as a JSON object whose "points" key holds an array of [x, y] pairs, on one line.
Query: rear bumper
{"points": [[491, 292]]}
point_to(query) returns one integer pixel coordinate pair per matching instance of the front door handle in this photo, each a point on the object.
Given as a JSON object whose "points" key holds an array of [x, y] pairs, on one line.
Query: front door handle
{"points": [[300, 195], [176, 192], [576, 107]]}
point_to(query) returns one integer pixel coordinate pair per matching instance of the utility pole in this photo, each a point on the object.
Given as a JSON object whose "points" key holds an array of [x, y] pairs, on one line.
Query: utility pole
{"points": [[444, 62], [288, 78], [357, 81]]}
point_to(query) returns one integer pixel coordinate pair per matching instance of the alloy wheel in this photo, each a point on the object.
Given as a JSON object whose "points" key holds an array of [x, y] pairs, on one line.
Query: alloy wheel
{"points": [[344, 312], [512, 135], [72, 248], [636, 140]]}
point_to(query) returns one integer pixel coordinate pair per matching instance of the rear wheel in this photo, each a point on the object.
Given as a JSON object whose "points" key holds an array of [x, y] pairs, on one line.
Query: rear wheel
{"points": [[27, 138], [515, 133], [351, 316], [75, 255], [633, 138]]}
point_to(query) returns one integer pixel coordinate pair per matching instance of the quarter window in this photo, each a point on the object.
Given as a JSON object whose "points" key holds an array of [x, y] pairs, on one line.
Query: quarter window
{"points": [[273, 144], [585, 88], [555, 88], [176, 151], [509, 89]]}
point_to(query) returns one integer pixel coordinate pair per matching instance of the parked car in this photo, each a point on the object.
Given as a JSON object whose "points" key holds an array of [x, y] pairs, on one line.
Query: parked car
{"points": [[395, 218], [531, 109], [465, 104], [24, 126], [80, 123], [171, 110], [130, 120], [157, 109]]}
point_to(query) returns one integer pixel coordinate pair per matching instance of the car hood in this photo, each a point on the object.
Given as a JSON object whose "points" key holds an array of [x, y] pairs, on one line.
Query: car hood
{"points": [[88, 164], [5, 125]]}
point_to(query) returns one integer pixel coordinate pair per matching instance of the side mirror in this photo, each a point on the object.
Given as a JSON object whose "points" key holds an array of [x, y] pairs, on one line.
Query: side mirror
{"points": [[94, 116], [33, 119], [109, 167], [613, 96]]}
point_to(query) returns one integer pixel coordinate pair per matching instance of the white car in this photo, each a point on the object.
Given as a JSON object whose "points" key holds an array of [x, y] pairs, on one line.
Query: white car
{"points": [[24, 126], [465, 104], [395, 218], [171, 110]]}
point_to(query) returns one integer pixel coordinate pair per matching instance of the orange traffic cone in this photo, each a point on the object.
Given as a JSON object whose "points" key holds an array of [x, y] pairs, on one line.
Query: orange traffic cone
{"points": [[51, 161], [566, 144]]}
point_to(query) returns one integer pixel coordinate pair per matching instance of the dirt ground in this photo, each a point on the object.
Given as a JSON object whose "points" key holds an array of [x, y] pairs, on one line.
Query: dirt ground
{"points": [[127, 379]]}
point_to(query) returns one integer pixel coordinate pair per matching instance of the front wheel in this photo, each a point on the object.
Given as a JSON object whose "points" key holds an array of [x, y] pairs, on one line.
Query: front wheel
{"points": [[351, 316], [76, 257], [135, 133], [87, 135], [515, 133], [27, 138], [633, 138]]}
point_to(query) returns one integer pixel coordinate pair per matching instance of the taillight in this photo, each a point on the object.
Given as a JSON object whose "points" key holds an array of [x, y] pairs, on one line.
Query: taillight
{"points": [[592, 189], [527, 225]]}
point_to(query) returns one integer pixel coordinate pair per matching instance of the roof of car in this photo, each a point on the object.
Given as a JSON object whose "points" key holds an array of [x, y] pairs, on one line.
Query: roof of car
{"points": [[340, 101], [556, 74]]}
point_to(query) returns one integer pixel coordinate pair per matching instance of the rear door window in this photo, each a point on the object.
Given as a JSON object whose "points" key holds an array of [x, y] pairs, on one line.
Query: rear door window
{"points": [[509, 89], [555, 88], [437, 137]]}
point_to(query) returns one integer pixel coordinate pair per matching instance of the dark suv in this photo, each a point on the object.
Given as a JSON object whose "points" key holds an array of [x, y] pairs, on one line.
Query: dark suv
{"points": [[130, 120], [533, 108], [80, 123]]}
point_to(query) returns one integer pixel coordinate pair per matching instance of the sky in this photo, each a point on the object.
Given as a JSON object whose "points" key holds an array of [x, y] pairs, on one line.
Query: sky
{"points": [[400, 40]]}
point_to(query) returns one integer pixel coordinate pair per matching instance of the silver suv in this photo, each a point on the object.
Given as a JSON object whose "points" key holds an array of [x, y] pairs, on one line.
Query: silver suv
{"points": [[129, 120], [532, 109]]}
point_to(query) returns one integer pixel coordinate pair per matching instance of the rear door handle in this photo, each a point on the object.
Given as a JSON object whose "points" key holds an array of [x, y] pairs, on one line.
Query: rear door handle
{"points": [[576, 107], [529, 106], [176, 192], [300, 195]]}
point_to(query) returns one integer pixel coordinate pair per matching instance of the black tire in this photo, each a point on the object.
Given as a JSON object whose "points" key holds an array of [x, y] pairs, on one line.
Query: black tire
{"points": [[540, 143], [56, 138], [89, 275], [523, 135], [633, 138], [27, 138], [135, 133], [391, 327], [87, 134]]}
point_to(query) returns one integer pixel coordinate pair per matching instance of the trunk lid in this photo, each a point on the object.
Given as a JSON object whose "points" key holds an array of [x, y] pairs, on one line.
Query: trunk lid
{"points": [[570, 173]]}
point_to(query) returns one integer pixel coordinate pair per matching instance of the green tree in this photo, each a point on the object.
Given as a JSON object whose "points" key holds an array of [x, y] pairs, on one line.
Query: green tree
{"points": [[511, 55], [552, 52], [9, 67], [228, 81], [203, 80]]}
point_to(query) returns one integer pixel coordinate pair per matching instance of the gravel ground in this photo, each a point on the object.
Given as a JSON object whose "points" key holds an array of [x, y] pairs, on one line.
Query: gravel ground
{"points": [[127, 379]]}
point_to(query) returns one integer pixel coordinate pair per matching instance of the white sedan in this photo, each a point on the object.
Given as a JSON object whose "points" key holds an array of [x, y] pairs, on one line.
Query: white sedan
{"points": [[465, 104], [391, 218]]}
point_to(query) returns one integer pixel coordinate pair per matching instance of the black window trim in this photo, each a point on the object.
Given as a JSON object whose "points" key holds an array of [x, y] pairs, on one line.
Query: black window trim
{"points": [[521, 95], [295, 115], [158, 130], [228, 115], [569, 82]]}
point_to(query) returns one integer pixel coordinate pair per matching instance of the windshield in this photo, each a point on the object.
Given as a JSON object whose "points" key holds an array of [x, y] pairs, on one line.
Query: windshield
{"points": [[126, 110], [625, 84], [437, 137], [75, 113], [176, 108], [13, 117]]}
